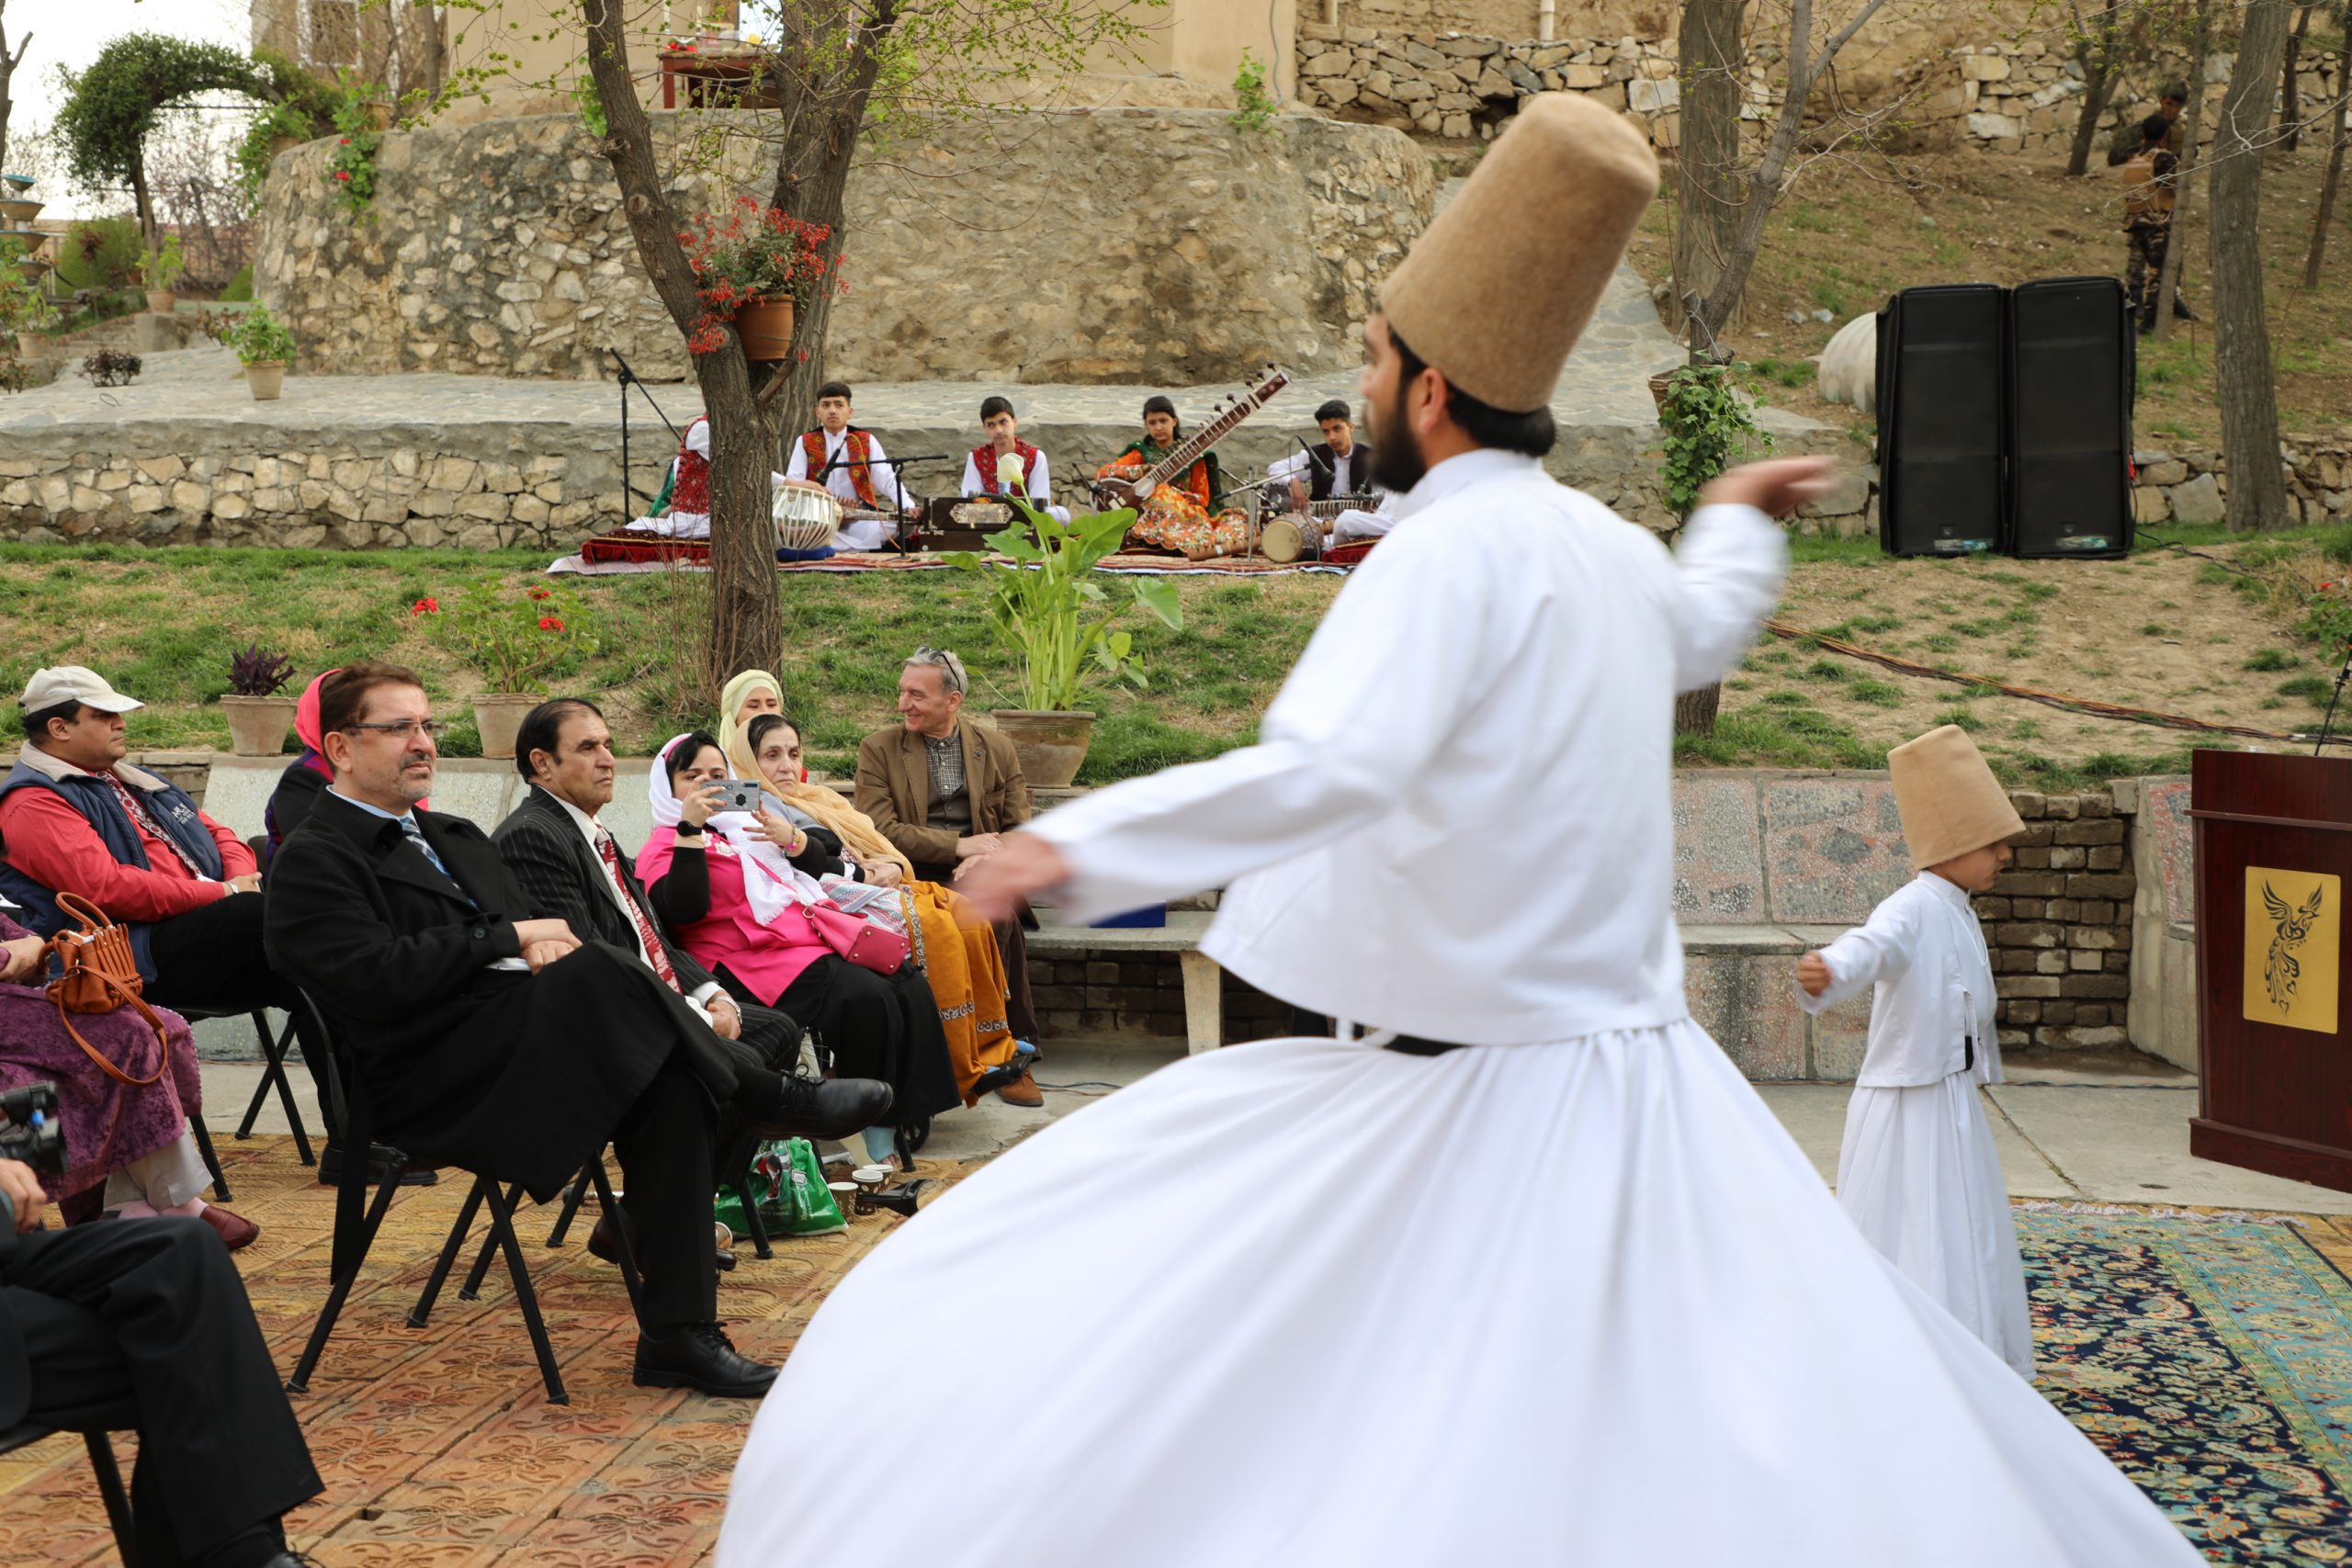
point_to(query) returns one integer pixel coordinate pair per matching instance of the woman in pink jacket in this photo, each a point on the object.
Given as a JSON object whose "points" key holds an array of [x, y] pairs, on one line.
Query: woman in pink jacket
{"points": [[733, 899]]}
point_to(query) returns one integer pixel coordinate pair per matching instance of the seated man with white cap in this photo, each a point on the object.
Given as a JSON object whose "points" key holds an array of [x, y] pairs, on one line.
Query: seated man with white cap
{"points": [[75, 817]]}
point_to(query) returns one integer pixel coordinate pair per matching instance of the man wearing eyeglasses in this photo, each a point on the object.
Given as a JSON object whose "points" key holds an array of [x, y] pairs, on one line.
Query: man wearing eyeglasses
{"points": [[75, 818], [507, 1046], [942, 790]]}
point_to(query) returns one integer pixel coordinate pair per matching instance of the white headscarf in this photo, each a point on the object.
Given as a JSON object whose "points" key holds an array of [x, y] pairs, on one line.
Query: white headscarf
{"points": [[771, 882]]}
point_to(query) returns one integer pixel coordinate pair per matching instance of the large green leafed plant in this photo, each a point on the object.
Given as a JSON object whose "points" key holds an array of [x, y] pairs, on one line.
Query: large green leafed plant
{"points": [[1050, 612]]}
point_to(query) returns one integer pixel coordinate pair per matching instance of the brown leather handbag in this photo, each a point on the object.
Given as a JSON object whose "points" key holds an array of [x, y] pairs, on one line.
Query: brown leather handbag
{"points": [[98, 974]]}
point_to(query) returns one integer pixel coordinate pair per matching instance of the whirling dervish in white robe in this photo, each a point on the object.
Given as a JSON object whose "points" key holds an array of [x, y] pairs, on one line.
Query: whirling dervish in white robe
{"points": [[1518, 1270]]}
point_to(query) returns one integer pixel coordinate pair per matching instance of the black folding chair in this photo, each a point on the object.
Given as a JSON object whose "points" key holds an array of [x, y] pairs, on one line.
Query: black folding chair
{"points": [[356, 1221], [94, 1425], [273, 1046]]}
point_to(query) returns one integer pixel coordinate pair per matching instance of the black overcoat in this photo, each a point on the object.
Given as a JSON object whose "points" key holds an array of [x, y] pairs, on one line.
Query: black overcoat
{"points": [[523, 1077]]}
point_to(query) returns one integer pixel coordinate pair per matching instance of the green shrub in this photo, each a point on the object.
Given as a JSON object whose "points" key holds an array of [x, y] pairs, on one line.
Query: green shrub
{"points": [[2314, 687], [2271, 658], [241, 287], [100, 252]]}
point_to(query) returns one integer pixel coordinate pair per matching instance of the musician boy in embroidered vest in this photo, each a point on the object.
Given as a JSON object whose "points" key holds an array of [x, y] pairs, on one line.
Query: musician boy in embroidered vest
{"points": [[866, 478], [983, 464], [1340, 466]]}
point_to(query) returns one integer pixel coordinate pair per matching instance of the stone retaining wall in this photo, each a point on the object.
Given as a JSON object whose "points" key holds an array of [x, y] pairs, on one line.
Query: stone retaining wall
{"points": [[1138, 246], [2023, 96], [358, 492], [1126, 993], [1464, 84], [2190, 484]]}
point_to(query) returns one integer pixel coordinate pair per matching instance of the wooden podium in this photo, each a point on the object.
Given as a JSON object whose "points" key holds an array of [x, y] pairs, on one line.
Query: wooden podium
{"points": [[2274, 864]]}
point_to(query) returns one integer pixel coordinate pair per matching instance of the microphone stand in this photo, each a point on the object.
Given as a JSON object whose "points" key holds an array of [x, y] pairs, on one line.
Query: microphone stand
{"points": [[2343, 672], [627, 378]]}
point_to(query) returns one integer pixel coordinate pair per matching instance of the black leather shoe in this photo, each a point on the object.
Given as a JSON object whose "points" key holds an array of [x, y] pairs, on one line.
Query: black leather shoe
{"points": [[699, 1356], [380, 1160], [833, 1109]]}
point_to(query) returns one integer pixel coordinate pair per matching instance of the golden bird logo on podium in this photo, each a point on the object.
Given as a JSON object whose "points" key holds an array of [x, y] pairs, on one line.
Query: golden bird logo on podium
{"points": [[2281, 970], [2293, 926]]}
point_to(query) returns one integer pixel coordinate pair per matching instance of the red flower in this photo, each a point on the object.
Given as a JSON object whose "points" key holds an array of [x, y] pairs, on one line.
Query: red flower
{"points": [[550, 624], [346, 142], [539, 594], [425, 607], [343, 174]]}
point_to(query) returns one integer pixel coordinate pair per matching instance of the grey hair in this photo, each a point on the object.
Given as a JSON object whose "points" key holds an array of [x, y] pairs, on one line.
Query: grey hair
{"points": [[950, 667]]}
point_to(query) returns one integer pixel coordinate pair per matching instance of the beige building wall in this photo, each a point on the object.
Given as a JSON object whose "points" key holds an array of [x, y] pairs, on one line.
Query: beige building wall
{"points": [[1186, 55]]}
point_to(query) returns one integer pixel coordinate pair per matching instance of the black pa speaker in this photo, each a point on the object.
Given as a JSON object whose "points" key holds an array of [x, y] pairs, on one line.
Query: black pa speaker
{"points": [[2072, 365], [1940, 420]]}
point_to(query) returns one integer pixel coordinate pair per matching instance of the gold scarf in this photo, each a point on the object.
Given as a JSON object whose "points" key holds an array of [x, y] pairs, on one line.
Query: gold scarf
{"points": [[856, 829]]}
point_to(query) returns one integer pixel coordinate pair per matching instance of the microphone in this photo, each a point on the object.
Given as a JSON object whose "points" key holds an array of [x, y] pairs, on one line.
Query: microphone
{"points": [[1311, 455]]}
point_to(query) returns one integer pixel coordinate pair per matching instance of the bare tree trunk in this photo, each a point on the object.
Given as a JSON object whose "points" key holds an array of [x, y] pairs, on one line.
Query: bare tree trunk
{"points": [[746, 631], [2290, 98], [8, 63], [1764, 187], [2334, 179], [1694, 712], [2249, 396], [2168, 281], [2094, 51], [1706, 164], [144, 202], [2097, 83]]}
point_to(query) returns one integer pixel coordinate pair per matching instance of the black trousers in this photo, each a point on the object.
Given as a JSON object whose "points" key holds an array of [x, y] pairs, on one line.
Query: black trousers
{"points": [[665, 1143], [154, 1310], [775, 1039], [878, 1026], [211, 958]]}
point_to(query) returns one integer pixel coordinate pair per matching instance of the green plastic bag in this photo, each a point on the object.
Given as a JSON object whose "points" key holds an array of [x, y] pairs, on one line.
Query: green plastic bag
{"points": [[788, 1184]]}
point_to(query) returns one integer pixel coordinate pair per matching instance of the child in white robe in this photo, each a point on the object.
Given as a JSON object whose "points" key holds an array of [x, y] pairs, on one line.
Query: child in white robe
{"points": [[1917, 1171]]}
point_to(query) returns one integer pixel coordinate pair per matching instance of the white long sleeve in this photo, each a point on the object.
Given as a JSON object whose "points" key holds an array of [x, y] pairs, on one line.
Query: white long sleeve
{"points": [[1879, 949], [1503, 664], [1731, 562]]}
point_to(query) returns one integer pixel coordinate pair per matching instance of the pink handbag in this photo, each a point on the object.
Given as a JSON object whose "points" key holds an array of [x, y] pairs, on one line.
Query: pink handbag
{"points": [[863, 942]]}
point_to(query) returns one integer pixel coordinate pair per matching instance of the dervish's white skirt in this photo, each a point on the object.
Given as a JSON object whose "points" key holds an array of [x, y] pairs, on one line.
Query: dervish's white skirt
{"points": [[1312, 1303], [1919, 1173]]}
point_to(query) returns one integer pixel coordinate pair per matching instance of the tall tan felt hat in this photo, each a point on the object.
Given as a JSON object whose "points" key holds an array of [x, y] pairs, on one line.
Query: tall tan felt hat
{"points": [[1499, 289], [1949, 800]]}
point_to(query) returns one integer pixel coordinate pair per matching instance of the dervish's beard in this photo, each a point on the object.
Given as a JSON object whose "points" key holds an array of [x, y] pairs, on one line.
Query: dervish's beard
{"points": [[1397, 464]]}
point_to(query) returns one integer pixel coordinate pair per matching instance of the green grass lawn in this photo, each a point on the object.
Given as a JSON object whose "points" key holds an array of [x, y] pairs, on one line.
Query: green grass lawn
{"points": [[163, 623]]}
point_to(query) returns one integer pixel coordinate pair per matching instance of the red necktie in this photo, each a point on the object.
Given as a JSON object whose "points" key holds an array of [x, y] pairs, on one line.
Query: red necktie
{"points": [[647, 937]]}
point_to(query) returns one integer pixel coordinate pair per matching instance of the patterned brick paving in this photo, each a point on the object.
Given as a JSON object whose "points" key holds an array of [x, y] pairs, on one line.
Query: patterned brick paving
{"points": [[438, 1447]]}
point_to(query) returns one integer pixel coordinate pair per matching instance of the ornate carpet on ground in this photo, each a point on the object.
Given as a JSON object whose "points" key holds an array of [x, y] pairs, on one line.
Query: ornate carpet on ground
{"points": [[2212, 1359], [438, 1447]]}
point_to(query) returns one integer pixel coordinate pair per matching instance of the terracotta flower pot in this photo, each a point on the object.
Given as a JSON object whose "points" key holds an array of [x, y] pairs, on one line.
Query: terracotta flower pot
{"points": [[1051, 744], [162, 300], [259, 725], [498, 715], [266, 379], [765, 327]]}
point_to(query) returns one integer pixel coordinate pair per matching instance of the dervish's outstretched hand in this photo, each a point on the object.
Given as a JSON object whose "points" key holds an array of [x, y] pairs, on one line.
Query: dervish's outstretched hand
{"points": [[1776, 487], [1022, 864]]}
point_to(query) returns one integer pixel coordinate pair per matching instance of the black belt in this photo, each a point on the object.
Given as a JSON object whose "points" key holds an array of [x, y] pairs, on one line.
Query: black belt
{"points": [[1414, 1046]]}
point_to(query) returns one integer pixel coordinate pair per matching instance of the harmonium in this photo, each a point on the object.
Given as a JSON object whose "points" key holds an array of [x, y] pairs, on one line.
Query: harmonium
{"points": [[950, 523]]}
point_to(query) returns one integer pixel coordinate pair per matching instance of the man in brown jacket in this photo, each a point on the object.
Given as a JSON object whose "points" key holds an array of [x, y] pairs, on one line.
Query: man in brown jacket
{"points": [[942, 790]]}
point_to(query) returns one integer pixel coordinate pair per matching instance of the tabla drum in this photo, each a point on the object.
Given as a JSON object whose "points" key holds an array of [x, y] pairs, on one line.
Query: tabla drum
{"points": [[1288, 538], [805, 519]]}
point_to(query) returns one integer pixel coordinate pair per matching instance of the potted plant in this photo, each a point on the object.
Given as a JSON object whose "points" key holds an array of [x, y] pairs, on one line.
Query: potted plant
{"points": [[159, 273], [111, 368], [265, 347], [513, 638], [258, 717], [1051, 613], [752, 266]]}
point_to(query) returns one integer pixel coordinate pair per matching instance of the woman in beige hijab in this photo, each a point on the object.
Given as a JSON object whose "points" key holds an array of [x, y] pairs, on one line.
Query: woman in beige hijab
{"points": [[954, 948]]}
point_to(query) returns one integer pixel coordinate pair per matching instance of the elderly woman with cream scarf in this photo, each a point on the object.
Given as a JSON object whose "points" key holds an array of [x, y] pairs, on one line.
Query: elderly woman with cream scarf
{"points": [[954, 947]]}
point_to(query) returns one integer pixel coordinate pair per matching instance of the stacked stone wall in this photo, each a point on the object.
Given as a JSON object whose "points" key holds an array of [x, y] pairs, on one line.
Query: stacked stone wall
{"points": [[345, 495], [1126, 993], [1136, 245], [2058, 925], [2191, 484], [1465, 85]]}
